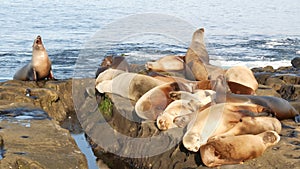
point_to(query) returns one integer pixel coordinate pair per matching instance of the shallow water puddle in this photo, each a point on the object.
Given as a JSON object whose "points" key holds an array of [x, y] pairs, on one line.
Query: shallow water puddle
{"points": [[86, 149]]}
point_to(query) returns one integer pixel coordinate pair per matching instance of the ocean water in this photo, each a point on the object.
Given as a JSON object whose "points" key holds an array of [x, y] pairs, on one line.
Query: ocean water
{"points": [[252, 33]]}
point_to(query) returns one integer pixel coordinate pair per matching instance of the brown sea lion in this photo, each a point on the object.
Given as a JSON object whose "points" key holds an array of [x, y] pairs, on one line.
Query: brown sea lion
{"points": [[166, 63], [214, 120], [176, 108], [114, 62], [108, 74], [278, 107], [236, 149], [254, 125], [197, 59], [241, 80], [40, 66], [177, 113], [128, 85], [154, 102]]}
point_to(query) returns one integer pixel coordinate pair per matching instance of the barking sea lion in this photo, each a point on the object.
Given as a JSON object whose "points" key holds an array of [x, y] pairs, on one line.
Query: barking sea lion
{"points": [[40, 66]]}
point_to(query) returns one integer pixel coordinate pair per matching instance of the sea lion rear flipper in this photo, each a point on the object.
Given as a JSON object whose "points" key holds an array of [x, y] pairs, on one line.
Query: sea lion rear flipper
{"points": [[254, 114], [297, 118]]}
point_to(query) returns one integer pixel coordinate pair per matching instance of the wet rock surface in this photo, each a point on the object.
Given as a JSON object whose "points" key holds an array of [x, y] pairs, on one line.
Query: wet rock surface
{"points": [[30, 132]]}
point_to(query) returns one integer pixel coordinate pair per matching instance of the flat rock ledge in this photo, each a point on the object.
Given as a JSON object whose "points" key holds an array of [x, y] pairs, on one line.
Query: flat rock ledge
{"points": [[286, 154], [31, 136]]}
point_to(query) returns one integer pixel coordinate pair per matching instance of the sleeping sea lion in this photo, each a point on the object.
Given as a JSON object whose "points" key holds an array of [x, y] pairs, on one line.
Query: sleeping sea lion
{"points": [[128, 85], [278, 107], [154, 102], [214, 120], [40, 66], [179, 112], [176, 108], [166, 63], [254, 125], [236, 149], [241, 80]]}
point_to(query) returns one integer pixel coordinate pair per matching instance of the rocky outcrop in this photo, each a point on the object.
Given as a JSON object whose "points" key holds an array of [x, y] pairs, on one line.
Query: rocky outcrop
{"points": [[30, 131], [121, 119], [54, 97]]}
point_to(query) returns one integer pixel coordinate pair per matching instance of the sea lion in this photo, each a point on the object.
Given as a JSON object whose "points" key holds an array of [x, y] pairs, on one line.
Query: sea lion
{"points": [[197, 49], [176, 108], [241, 80], [128, 85], [154, 102], [253, 125], [178, 113], [108, 74], [236, 149], [202, 96], [40, 66], [214, 120], [114, 62], [166, 63], [197, 59], [278, 107]]}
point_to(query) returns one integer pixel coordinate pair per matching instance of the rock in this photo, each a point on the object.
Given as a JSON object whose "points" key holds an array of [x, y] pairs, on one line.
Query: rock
{"points": [[296, 62], [274, 83], [266, 91], [290, 92], [262, 77], [32, 140], [55, 97]]}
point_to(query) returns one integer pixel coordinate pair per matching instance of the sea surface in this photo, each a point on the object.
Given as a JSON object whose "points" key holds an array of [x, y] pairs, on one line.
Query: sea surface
{"points": [[250, 32]]}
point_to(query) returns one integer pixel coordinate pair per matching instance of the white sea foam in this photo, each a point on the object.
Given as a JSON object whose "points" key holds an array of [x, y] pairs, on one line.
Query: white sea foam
{"points": [[251, 64]]}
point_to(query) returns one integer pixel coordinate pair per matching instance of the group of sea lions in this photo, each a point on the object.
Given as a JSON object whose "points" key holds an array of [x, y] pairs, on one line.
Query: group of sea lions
{"points": [[224, 119]]}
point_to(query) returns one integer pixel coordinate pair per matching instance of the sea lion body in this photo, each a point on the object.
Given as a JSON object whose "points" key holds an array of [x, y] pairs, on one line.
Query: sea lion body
{"points": [[254, 125], [128, 85], [40, 66], [214, 120], [241, 80], [166, 63], [236, 149], [176, 108], [279, 107], [154, 102]]}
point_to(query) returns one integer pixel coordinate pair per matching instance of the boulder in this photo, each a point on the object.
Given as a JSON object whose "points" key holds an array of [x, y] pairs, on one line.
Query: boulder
{"points": [[296, 62]]}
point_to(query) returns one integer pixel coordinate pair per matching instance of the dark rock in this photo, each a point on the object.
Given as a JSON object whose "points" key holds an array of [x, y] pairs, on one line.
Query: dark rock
{"points": [[262, 77], [274, 83], [290, 92], [54, 97], [266, 91], [296, 62]]}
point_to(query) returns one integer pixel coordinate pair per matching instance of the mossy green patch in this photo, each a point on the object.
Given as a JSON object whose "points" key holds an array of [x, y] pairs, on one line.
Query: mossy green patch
{"points": [[106, 107]]}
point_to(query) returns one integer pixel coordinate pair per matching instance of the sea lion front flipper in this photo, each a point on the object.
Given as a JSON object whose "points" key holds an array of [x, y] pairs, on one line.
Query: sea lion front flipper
{"points": [[51, 75]]}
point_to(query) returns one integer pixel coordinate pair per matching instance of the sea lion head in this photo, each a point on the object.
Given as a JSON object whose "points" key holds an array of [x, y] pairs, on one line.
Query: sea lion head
{"points": [[38, 43], [192, 141], [164, 122], [270, 138]]}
